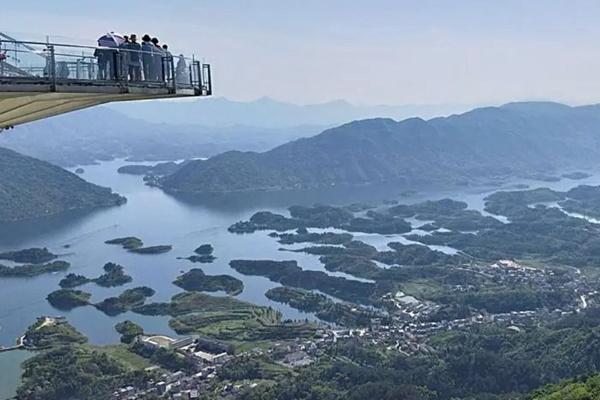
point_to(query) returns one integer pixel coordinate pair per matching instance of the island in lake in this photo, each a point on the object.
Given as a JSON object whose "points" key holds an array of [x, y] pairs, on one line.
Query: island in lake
{"points": [[114, 275], [128, 242], [73, 280], [152, 249], [29, 256], [203, 254], [126, 301], [31, 270], [197, 280], [68, 299], [136, 245]]}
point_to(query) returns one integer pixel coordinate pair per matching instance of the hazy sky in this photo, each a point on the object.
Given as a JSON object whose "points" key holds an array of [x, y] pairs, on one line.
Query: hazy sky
{"points": [[367, 52]]}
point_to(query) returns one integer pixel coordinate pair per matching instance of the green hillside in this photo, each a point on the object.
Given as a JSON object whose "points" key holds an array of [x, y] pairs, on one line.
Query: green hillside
{"points": [[31, 188]]}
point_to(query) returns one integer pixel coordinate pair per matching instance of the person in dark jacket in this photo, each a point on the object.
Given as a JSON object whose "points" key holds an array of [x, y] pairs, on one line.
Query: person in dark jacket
{"points": [[103, 58], [157, 57], [166, 51], [135, 59], [169, 71], [124, 59], [147, 58]]}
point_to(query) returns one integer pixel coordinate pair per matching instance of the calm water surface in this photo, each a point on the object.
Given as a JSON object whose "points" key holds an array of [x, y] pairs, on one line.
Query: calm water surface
{"points": [[159, 218]]}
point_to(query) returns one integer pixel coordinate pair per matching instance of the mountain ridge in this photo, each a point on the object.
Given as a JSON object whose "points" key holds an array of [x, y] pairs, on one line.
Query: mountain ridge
{"points": [[266, 112], [482, 143]]}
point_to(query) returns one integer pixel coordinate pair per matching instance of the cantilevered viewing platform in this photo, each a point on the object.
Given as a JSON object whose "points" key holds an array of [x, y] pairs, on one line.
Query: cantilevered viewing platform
{"points": [[40, 80]]}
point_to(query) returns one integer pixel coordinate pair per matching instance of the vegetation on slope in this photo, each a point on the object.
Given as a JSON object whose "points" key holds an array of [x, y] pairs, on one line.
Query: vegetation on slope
{"points": [[196, 280], [31, 188], [469, 148]]}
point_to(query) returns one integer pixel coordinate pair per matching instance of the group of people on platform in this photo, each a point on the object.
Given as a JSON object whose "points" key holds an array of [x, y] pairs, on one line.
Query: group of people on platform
{"points": [[134, 61]]}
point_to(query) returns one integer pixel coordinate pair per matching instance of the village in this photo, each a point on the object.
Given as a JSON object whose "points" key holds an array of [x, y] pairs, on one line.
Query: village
{"points": [[406, 329]]}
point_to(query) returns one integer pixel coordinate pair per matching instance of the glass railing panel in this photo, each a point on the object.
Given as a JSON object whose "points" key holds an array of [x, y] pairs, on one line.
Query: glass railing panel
{"points": [[21, 60], [60, 62]]}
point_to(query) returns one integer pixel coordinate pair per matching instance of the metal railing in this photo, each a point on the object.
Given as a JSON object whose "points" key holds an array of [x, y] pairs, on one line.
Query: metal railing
{"points": [[59, 63]]}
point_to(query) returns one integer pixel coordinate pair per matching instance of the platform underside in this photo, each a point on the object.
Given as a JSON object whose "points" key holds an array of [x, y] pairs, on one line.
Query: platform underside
{"points": [[24, 101]]}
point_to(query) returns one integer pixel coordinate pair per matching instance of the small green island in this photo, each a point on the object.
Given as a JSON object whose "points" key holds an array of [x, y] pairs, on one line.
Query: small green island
{"points": [[128, 242], [114, 275], [136, 245], [68, 299], [203, 254], [197, 280], [204, 250], [199, 259], [31, 270], [302, 236], [152, 249], [29, 256], [126, 301], [73, 280]]}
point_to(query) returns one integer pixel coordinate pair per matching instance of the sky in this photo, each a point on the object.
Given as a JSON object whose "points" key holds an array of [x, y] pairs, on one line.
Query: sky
{"points": [[366, 52]]}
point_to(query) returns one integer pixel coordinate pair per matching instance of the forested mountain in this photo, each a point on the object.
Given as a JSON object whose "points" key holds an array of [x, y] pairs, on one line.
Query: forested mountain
{"points": [[32, 188], [514, 139]]}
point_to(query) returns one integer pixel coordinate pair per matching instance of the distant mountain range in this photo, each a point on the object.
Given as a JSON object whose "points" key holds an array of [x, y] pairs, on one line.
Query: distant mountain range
{"points": [[269, 113], [100, 133], [175, 130], [31, 188], [516, 139]]}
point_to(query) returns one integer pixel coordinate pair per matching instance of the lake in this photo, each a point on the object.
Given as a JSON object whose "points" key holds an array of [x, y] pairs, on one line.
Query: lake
{"points": [[159, 218]]}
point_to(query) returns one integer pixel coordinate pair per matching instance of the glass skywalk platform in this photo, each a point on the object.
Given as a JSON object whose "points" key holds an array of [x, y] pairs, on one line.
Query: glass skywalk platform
{"points": [[40, 80]]}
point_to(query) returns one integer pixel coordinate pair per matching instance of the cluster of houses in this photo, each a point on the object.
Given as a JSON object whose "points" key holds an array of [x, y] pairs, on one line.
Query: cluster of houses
{"points": [[408, 307], [208, 357], [201, 351], [180, 385], [405, 328], [175, 386]]}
